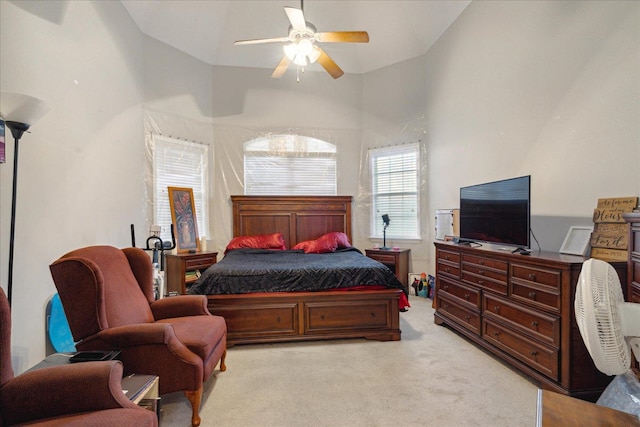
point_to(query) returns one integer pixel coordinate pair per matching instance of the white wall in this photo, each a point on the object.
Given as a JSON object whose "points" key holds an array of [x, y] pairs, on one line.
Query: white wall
{"points": [[393, 110], [547, 88], [80, 169]]}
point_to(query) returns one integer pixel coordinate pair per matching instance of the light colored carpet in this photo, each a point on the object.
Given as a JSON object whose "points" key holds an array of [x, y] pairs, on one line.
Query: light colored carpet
{"points": [[432, 377]]}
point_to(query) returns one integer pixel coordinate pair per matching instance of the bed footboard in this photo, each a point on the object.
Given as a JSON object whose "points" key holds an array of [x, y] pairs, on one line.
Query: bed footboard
{"points": [[305, 316]]}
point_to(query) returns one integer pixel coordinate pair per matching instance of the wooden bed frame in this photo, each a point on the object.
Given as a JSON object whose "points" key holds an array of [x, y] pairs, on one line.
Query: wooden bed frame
{"points": [[301, 316]]}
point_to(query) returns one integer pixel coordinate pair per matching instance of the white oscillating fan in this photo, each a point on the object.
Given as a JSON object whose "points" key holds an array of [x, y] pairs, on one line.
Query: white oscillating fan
{"points": [[608, 325]]}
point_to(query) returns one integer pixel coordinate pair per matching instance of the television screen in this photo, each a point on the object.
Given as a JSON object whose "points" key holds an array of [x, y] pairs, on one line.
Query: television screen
{"points": [[496, 212]]}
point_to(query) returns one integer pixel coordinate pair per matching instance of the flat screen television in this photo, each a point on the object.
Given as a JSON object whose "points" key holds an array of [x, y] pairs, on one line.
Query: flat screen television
{"points": [[497, 212]]}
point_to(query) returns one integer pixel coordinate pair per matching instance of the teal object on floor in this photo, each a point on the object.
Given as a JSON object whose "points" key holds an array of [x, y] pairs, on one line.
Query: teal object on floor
{"points": [[58, 327]]}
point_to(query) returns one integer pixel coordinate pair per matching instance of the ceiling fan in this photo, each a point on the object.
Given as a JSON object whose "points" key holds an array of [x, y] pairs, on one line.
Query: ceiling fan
{"points": [[301, 45]]}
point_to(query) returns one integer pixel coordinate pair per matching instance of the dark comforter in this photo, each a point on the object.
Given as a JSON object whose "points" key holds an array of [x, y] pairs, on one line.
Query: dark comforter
{"points": [[256, 270]]}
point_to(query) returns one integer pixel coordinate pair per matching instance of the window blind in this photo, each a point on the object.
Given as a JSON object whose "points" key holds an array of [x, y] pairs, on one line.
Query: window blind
{"points": [[289, 165], [181, 164], [394, 179]]}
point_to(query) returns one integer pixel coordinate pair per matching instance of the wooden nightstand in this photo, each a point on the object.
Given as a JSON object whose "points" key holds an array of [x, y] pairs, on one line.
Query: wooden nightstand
{"points": [[397, 261], [184, 269]]}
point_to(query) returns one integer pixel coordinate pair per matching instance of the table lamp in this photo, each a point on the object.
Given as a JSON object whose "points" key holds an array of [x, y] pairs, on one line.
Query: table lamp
{"points": [[386, 221], [19, 112]]}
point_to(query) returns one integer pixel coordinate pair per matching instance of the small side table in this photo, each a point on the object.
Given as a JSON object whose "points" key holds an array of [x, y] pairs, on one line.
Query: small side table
{"points": [[181, 270], [396, 260], [143, 391]]}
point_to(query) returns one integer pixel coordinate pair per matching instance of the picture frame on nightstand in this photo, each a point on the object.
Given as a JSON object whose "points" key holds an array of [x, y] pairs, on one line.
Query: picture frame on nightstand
{"points": [[576, 242], [183, 216]]}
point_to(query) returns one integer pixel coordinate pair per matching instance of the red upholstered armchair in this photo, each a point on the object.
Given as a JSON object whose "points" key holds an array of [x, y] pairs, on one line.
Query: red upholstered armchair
{"points": [[82, 394], [107, 295]]}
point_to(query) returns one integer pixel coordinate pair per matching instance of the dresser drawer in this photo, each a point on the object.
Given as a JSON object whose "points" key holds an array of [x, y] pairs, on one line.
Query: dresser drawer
{"points": [[487, 263], [538, 356], [458, 313], [465, 294], [634, 293], [484, 279], [538, 325], [448, 269], [384, 259], [451, 257], [448, 263], [536, 296], [486, 273], [534, 275], [204, 261]]}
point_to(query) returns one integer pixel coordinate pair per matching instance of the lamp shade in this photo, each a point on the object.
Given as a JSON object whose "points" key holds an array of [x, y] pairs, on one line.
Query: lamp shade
{"points": [[20, 108]]}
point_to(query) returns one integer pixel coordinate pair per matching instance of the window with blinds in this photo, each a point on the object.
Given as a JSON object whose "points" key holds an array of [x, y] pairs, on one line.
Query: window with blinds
{"points": [[289, 165], [181, 164], [394, 180]]}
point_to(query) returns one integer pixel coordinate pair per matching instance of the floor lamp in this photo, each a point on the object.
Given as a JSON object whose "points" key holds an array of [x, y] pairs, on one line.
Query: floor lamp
{"points": [[19, 112]]}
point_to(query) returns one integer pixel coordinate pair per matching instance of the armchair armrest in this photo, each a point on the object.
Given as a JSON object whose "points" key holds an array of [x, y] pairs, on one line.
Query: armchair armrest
{"points": [[122, 337], [180, 306], [63, 390]]}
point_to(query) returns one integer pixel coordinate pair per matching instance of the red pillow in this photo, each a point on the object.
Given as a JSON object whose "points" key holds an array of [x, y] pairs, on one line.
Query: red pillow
{"points": [[341, 239], [320, 246], [260, 241], [302, 245]]}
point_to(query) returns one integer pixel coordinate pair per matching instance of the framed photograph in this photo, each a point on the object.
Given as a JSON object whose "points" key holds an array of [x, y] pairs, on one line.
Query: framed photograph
{"points": [[576, 242], [183, 216]]}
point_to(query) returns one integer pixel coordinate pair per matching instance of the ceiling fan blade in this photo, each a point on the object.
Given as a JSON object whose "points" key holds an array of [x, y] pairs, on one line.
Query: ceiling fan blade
{"points": [[329, 64], [259, 41], [343, 37], [281, 68], [296, 17]]}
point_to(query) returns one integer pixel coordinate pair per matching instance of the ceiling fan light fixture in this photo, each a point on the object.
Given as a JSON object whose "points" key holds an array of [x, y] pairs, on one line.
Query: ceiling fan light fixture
{"points": [[314, 55], [300, 45], [291, 50], [300, 60]]}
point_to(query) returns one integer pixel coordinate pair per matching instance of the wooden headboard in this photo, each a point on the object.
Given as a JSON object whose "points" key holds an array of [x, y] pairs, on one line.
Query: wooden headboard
{"points": [[298, 218]]}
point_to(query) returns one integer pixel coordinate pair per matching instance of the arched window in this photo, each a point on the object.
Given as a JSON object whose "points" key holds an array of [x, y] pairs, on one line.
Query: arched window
{"points": [[289, 165]]}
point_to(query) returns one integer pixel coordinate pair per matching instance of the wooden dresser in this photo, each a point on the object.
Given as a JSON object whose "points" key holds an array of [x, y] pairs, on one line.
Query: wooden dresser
{"points": [[520, 308], [633, 268]]}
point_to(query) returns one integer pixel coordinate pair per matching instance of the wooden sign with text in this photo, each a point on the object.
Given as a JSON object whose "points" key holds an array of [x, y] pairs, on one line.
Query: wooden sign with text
{"points": [[612, 255], [625, 203], [610, 237]]}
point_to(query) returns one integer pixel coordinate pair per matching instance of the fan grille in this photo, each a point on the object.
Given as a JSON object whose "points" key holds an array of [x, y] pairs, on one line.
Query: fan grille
{"points": [[596, 305]]}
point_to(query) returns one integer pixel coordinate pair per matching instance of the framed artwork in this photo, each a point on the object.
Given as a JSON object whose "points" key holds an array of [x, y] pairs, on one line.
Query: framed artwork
{"points": [[183, 216], [577, 240]]}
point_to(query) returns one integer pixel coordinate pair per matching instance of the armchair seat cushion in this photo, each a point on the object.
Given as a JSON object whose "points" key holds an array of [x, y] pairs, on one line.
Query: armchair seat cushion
{"points": [[201, 334], [106, 418]]}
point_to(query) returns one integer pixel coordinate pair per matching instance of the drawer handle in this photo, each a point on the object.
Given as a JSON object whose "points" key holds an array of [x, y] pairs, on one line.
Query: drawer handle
{"points": [[496, 308], [533, 353], [466, 296], [532, 295], [534, 324], [446, 257], [481, 262], [445, 287], [481, 272], [447, 269], [446, 306], [532, 277], [467, 317], [496, 334], [480, 282]]}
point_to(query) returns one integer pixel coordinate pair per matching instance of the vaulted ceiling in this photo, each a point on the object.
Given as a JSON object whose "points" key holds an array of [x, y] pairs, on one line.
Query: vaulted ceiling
{"points": [[206, 29]]}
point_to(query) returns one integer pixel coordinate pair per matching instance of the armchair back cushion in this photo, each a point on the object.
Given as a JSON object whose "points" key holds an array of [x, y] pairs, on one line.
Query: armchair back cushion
{"points": [[83, 277]]}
